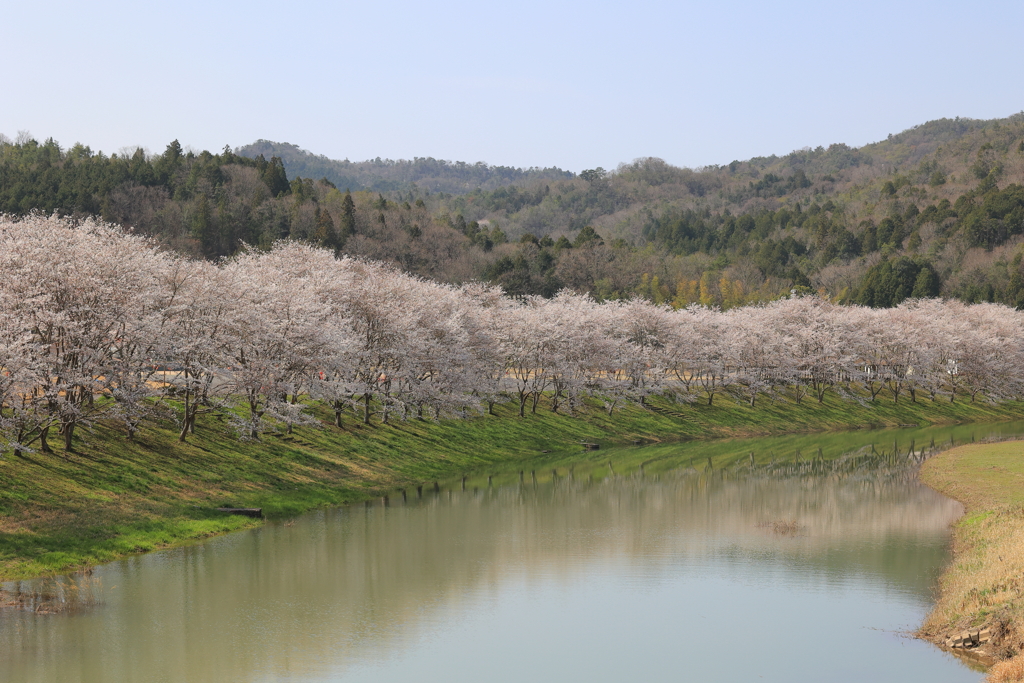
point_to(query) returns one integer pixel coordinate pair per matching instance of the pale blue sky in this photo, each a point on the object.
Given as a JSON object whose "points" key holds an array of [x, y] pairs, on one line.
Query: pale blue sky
{"points": [[571, 84]]}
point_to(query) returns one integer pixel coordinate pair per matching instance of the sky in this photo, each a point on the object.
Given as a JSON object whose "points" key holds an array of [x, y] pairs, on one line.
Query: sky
{"points": [[533, 83]]}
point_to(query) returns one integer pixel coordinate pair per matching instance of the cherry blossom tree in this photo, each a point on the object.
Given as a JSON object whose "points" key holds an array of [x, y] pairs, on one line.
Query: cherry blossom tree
{"points": [[710, 360], [195, 308], [87, 294], [527, 338], [273, 333], [642, 331], [754, 343], [101, 324], [818, 349]]}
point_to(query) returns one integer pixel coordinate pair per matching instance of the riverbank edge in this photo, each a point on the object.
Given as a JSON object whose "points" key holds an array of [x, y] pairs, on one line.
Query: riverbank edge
{"points": [[115, 497], [982, 587]]}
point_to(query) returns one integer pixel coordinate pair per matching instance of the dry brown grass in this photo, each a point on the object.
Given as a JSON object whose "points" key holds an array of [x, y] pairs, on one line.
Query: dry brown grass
{"points": [[984, 585], [1008, 671]]}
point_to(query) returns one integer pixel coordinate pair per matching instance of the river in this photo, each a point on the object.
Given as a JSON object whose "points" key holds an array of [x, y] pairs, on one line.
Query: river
{"points": [[802, 558]]}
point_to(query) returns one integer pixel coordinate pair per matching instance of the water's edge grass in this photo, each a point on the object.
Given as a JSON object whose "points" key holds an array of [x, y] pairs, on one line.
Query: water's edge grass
{"points": [[983, 586], [115, 497]]}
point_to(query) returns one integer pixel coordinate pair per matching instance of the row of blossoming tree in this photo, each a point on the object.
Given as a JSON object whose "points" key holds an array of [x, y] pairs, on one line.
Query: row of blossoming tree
{"points": [[100, 324]]}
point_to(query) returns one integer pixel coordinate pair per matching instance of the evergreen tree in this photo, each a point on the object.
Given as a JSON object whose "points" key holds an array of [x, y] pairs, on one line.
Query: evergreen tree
{"points": [[275, 177], [325, 235], [348, 219], [200, 225], [927, 284]]}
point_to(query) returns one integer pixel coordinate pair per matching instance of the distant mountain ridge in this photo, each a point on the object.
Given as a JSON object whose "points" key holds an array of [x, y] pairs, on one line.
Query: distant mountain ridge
{"points": [[387, 175]]}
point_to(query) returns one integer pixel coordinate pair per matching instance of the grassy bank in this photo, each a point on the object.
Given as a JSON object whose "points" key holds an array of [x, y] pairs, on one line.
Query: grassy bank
{"points": [[984, 586], [113, 497]]}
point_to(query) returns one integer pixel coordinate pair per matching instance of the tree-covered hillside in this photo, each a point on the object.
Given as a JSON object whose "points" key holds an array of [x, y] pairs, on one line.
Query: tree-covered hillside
{"points": [[935, 210]]}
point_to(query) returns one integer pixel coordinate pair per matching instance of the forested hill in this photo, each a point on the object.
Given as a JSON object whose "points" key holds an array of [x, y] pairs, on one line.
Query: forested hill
{"points": [[387, 175], [934, 210]]}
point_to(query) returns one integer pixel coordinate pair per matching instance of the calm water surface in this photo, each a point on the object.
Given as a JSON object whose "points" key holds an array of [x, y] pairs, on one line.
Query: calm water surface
{"points": [[790, 559]]}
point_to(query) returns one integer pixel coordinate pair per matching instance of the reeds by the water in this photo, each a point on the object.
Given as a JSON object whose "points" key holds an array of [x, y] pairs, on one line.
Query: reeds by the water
{"points": [[783, 527], [53, 595]]}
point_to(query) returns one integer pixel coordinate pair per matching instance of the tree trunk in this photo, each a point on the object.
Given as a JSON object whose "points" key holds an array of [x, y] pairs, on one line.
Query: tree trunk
{"points": [[874, 392], [185, 419], [69, 432], [366, 408], [254, 416]]}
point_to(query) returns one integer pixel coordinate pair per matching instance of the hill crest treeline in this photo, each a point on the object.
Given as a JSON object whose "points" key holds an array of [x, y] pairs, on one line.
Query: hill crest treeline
{"points": [[935, 210]]}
